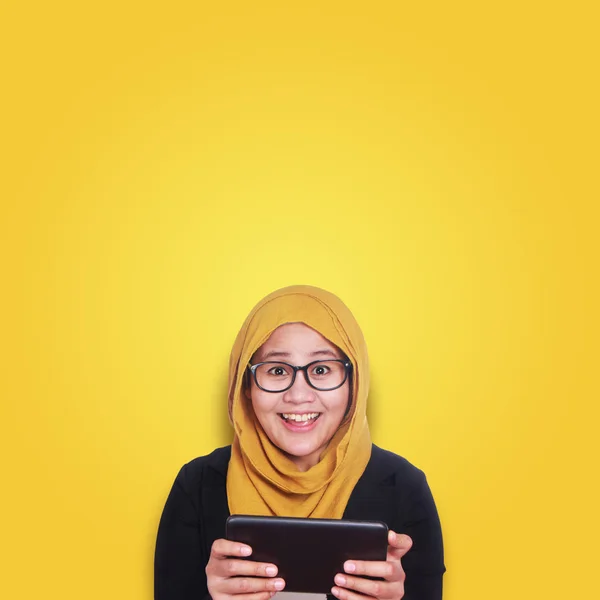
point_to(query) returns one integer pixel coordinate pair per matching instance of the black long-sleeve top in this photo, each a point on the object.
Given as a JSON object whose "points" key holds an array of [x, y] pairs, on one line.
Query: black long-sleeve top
{"points": [[390, 490]]}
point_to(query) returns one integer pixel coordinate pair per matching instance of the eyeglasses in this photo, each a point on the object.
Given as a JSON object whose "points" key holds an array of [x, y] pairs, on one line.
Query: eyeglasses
{"points": [[322, 375]]}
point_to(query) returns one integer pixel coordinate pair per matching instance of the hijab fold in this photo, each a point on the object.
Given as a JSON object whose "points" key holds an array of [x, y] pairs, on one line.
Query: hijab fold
{"points": [[261, 479]]}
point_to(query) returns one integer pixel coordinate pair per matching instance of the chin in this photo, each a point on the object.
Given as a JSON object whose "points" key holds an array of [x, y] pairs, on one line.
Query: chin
{"points": [[298, 450]]}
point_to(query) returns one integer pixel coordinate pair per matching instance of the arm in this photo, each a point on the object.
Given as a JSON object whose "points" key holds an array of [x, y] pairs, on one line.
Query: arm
{"points": [[414, 566], [182, 571], [179, 562], [424, 563]]}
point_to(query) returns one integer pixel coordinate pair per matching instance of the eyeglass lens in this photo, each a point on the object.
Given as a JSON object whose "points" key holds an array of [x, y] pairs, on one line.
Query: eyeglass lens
{"points": [[323, 375]]}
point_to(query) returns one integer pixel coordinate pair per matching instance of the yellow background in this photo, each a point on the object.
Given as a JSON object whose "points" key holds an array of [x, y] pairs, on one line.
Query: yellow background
{"points": [[164, 167]]}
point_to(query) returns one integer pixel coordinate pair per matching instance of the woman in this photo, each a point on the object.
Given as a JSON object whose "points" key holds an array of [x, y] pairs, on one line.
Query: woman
{"points": [[298, 386]]}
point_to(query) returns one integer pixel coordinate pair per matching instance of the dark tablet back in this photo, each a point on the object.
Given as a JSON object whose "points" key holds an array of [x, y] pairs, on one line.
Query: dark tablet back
{"points": [[309, 552]]}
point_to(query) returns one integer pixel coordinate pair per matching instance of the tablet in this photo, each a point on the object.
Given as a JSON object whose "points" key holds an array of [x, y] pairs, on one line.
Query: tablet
{"points": [[309, 552]]}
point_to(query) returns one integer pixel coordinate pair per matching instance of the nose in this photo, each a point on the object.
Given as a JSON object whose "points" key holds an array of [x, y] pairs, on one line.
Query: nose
{"points": [[300, 392]]}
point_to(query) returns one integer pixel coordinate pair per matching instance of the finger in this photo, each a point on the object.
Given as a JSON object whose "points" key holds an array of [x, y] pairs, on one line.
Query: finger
{"points": [[398, 545], [368, 587], [250, 585], [233, 567], [344, 594], [372, 568], [255, 596], [224, 548]]}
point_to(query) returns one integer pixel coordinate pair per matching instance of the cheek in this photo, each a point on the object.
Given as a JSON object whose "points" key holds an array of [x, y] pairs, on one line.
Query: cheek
{"points": [[255, 399], [340, 404], [261, 404]]}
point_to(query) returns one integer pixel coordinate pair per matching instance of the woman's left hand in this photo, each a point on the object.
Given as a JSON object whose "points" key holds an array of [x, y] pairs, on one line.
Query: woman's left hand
{"points": [[352, 585]]}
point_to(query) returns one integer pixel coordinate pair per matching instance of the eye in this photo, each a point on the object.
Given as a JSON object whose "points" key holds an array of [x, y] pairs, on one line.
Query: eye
{"points": [[321, 370], [277, 371]]}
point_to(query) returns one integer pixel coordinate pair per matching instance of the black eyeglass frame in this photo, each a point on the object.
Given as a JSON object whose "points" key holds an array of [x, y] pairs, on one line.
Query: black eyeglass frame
{"points": [[347, 370]]}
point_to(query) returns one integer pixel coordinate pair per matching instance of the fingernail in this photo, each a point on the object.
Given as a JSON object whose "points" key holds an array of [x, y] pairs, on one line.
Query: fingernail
{"points": [[340, 579], [349, 567], [271, 571], [393, 536], [335, 591], [279, 584], [245, 551]]}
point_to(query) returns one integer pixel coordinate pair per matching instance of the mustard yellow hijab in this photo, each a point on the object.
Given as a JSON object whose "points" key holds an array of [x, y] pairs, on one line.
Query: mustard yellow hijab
{"points": [[261, 480]]}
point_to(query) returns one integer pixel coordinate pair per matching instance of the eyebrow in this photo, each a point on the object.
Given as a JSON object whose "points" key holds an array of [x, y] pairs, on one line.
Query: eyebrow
{"points": [[283, 354], [323, 353]]}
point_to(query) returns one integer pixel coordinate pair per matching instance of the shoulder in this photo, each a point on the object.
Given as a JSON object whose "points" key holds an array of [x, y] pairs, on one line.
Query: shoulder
{"points": [[386, 469], [192, 473], [389, 490], [406, 483], [387, 465]]}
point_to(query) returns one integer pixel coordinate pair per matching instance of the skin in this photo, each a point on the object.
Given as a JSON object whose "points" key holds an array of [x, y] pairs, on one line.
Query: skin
{"points": [[228, 576], [297, 344]]}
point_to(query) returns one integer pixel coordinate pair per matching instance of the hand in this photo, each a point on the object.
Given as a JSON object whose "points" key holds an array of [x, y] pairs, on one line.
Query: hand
{"points": [[230, 577], [356, 587]]}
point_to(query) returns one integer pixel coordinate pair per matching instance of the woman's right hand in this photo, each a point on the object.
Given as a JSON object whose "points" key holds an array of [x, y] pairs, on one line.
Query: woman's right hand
{"points": [[230, 577]]}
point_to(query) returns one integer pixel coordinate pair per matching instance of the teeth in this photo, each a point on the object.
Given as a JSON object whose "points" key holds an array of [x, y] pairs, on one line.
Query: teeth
{"points": [[299, 418]]}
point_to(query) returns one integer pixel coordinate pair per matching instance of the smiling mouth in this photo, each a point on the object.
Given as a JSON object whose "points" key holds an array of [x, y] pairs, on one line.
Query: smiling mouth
{"points": [[304, 419]]}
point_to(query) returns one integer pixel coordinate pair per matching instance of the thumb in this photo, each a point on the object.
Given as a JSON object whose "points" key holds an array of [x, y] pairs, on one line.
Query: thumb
{"points": [[398, 545]]}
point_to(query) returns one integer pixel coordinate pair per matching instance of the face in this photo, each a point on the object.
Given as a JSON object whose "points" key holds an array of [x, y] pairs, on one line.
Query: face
{"points": [[282, 414]]}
